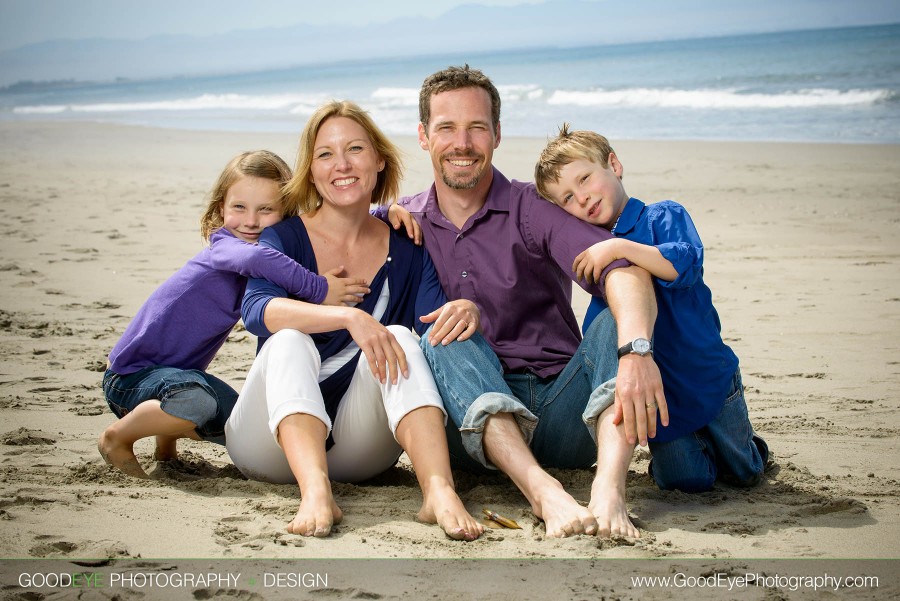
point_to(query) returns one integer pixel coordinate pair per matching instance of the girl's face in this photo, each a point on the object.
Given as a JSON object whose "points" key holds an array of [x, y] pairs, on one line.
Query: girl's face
{"points": [[345, 165], [251, 204]]}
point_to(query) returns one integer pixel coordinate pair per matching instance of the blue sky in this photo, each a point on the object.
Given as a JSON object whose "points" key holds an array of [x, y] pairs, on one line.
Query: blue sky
{"points": [[27, 21]]}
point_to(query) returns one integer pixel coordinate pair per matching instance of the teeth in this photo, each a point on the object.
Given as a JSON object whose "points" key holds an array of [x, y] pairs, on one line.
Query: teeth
{"points": [[461, 163], [345, 182]]}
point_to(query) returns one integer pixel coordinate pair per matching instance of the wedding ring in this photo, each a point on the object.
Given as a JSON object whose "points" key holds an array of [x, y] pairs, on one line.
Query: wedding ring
{"points": [[652, 405]]}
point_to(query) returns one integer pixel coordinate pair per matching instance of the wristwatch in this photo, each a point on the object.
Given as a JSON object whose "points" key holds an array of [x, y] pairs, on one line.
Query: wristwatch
{"points": [[639, 346]]}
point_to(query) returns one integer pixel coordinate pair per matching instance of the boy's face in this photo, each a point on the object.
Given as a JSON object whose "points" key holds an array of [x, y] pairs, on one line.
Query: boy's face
{"points": [[251, 204], [589, 192]]}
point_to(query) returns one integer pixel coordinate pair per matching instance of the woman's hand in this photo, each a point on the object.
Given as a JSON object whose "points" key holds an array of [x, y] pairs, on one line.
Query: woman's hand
{"points": [[456, 320], [384, 353], [398, 216], [341, 290]]}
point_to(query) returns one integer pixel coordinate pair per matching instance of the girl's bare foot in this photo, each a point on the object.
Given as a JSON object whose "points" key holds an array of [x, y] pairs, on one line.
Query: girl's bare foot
{"points": [[442, 506], [166, 449], [119, 455], [317, 514]]}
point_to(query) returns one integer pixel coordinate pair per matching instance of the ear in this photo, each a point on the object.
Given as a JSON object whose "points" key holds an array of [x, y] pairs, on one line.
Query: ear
{"points": [[222, 209], [380, 164], [423, 136], [616, 165], [497, 138]]}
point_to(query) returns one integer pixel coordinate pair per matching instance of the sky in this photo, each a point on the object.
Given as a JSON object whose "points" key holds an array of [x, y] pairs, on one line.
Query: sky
{"points": [[28, 21]]}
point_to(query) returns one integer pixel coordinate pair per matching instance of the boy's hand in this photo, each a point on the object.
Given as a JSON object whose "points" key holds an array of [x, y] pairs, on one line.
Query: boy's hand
{"points": [[398, 216], [639, 397], [341, 290], [456, 320], [590, 263]]}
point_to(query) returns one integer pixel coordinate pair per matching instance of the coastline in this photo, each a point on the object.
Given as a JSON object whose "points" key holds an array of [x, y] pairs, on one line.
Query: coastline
{"points": [[802, 256]]}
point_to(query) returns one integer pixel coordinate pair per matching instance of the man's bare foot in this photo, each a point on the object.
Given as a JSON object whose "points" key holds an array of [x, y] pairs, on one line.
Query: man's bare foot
{"points": [[442, 506], [317, 514], [119, 455], [166, 449], [562, 514], [608, 506]]}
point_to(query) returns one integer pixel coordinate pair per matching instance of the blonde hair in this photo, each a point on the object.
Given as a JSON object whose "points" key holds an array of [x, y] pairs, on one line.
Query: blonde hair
{"points": [[300, 194], [257, 163], [565, 148]]}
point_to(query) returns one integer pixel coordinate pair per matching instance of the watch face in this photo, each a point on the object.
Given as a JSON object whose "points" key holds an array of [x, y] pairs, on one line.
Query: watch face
{"points": [[641, 346]]}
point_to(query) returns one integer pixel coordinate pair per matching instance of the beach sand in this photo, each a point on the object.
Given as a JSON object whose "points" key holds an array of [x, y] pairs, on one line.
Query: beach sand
{"points": [[802, 256]]}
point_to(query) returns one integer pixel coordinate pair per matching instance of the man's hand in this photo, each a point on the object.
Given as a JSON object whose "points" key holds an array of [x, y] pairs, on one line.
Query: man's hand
{"points": [[639, 396], [456, 320], [398, 216]]}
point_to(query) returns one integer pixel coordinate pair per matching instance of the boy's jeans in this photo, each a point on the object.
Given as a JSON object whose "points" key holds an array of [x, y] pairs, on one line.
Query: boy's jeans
{"points": [[725, 448], [552, 413], [189, 394]]}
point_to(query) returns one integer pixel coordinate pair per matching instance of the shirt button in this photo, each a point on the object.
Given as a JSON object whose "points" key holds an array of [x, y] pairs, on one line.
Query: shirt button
{"points": [[465, 274]]}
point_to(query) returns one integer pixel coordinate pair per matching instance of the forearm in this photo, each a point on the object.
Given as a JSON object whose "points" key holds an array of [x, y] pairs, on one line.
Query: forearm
{"points": [[285, 313], [647, 257], [632, 301]]}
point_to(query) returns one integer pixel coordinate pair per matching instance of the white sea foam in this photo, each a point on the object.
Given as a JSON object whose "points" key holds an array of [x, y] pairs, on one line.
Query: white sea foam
{"points": [[396, 96], [241, 102], [717, 99]]}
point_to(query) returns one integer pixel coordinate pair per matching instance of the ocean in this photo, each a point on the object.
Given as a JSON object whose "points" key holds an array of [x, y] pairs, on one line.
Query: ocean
{"points": [[832, 85]]}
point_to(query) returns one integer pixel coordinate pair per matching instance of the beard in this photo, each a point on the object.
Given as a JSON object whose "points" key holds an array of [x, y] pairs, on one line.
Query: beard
{"points": [[457, 182]]}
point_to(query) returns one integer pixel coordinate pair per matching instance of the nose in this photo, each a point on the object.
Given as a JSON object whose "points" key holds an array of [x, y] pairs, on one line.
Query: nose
{"points": [[251, 219], [583, 198], [463, 139], [342, 162]]}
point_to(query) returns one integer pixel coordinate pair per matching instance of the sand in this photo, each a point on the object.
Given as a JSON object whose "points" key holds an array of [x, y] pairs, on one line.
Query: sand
{"points": [[802, 258]]}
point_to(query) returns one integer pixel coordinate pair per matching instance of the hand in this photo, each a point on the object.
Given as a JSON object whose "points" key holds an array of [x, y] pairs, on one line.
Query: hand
{"points": [[384, 353], [343, 290], [456, 320], [639, 395], [398, 216], [590, 263]]}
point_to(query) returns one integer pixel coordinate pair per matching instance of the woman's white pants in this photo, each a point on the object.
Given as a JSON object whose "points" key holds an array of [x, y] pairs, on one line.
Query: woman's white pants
{"points": [[284, 380]]}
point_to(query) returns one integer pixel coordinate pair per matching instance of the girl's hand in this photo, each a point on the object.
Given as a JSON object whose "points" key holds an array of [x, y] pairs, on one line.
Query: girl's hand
{"points": [[456, 320], [398, 216], [590, 264], [384, 353], [341, 290]]}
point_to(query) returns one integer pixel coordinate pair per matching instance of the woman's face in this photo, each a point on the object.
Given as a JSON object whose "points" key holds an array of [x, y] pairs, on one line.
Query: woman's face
{"points": [[345, 165]]}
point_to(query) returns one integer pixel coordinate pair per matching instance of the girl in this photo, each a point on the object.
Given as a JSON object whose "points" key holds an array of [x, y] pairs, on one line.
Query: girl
{"points": [[156, 381]]}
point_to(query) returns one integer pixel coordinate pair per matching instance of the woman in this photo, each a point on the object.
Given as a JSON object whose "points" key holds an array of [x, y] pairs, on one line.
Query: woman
{"points": [[362, 413]]}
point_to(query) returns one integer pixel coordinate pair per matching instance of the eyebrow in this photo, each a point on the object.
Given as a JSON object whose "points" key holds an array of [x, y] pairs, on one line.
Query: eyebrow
{"points": [[364, 140]]}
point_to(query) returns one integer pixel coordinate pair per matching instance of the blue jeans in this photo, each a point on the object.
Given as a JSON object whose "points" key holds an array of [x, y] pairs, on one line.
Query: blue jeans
{"points": [[725, 448], [552, 413], [189, 394]]}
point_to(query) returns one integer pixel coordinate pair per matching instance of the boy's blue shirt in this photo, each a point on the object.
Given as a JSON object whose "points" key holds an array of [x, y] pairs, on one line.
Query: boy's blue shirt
{"points": [[696, 365]]}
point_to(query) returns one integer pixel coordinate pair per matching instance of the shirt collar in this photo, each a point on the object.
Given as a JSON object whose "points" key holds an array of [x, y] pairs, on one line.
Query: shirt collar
{"points": [[497, 199], [629, 217]]}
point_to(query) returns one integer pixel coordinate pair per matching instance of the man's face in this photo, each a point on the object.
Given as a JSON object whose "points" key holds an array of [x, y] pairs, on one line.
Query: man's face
{"points": [[460, 137]]}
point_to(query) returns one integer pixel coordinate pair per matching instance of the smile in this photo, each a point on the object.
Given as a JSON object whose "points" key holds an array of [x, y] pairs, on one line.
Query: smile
{"points": [[461, 162], [594, 209], [346, 181]]}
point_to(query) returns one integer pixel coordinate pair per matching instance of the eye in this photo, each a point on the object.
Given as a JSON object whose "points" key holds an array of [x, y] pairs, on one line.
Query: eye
{"points": [[237, 207], [325, 154], [565, 199], [584, 178], [356, 148], [265, 209]]}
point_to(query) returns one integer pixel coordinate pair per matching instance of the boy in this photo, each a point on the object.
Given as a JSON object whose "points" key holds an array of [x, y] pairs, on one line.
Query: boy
{"points": [[709, 435]]}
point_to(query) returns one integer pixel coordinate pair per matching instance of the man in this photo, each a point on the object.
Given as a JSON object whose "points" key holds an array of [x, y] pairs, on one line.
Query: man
{"points": [[526, 392]]}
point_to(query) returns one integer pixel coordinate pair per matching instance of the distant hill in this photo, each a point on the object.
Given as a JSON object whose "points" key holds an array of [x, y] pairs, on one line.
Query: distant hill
{"points": [[470, 27]]}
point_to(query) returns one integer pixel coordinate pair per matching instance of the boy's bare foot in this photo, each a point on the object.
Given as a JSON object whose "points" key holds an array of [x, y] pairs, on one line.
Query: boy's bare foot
{"points": [[119, 455], [562, 514], [317, 514], [166, 449], [442, 506], [608, 506]]}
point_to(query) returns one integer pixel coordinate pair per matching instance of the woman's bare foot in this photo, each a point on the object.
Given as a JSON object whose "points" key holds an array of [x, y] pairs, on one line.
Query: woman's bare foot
{"points": [[442, 506], [166, 449], [563, 516], [119, 455], [317, 514], [608, 506]]}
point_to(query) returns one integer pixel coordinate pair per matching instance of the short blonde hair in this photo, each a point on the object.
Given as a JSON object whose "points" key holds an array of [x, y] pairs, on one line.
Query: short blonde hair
{"points": [[256, 163], [565, 148], [300, 194]]}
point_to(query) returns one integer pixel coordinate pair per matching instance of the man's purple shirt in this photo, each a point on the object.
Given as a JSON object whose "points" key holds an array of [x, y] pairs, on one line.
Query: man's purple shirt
{"points": [[513, 259]]}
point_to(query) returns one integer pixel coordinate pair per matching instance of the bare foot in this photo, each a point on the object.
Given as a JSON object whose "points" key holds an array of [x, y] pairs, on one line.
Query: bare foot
{"points": [[119, 455], [562, 514], [443, 507], [166, 449], [317, 514], [608, 506]]}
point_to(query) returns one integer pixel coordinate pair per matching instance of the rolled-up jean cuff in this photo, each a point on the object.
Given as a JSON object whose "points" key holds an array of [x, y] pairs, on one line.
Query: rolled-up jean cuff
{"points": [[600, 400], [486, 405], [293, 406]]}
